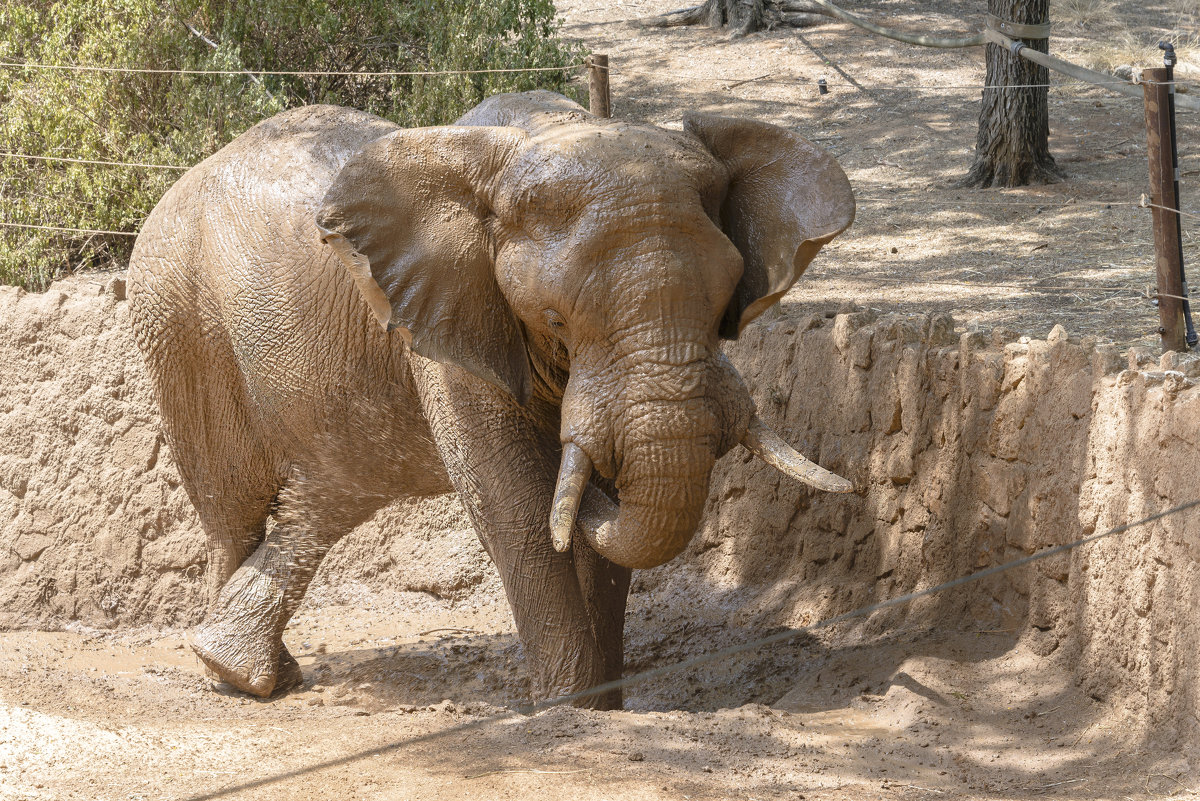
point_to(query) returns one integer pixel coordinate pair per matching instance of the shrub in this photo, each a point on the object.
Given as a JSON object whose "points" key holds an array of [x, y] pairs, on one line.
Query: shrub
{"points": [[173, 119]]}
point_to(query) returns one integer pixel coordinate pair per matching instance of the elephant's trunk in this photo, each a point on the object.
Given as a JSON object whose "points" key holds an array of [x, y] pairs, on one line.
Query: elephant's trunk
{"points": [[662, 483], [662, 493], [657, 516], [656, 437], [663, 471]]}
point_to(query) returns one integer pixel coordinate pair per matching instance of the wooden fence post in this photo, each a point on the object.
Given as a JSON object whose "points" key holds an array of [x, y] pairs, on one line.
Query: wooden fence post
{"points": [[598, 97], [1168, 250]]}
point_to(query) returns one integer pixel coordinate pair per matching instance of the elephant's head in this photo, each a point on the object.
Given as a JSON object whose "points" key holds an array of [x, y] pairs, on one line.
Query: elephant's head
{"points": [[599, 264]]}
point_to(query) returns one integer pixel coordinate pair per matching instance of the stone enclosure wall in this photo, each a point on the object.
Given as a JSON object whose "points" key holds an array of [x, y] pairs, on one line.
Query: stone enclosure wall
{"points": [[967, 450], [970, 450]]}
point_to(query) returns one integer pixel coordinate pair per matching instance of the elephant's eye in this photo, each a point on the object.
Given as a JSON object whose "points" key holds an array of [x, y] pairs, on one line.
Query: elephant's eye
{"points": [[555, 320]]}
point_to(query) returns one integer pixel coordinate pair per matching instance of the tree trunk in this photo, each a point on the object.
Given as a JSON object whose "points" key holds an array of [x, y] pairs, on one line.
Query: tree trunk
{"points": [[743, 17], [1012, 147], [740, 16]]}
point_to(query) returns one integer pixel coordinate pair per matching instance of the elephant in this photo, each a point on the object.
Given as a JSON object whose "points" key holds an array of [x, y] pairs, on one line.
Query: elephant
{"points": [[525, 307]]}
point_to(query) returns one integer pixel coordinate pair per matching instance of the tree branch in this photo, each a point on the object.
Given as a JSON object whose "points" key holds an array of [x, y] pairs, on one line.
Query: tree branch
{"points": [[216, 46]]}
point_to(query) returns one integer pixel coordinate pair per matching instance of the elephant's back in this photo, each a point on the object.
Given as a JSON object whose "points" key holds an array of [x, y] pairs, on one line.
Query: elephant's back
{"points": [[235, 216], [287, 161], [232, 255]]}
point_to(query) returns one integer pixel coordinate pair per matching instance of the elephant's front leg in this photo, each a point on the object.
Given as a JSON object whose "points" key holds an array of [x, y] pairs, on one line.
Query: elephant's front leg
{"points": [[503, 461], [605, 587], [547, 603]]}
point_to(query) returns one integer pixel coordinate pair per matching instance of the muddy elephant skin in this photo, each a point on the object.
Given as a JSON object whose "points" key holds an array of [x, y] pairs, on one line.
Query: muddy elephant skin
{"points": [[524, 307]]}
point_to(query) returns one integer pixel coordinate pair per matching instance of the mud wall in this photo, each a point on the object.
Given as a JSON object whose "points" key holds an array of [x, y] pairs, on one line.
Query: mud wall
{"points": [[970, 450], [94, 524], [967, 450]]}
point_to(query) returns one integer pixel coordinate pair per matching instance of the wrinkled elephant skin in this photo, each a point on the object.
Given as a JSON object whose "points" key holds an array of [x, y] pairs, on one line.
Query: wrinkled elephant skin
{"points": [[337, 313]]}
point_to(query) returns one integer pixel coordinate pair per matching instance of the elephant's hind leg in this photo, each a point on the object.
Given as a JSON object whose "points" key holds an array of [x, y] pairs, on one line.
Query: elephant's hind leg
{"points": [[230, 544], [241, 640], [231, 473], [229, 469]]}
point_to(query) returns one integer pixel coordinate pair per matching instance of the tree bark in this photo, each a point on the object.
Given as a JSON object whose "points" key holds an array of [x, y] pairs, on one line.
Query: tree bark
{"points": [[1012, 145], [744, 17]]}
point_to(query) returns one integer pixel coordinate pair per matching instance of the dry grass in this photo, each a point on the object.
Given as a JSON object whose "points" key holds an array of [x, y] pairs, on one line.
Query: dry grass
{"points": [[1083, 13], [1107, 34], [1140, 51], [1188, 10]]}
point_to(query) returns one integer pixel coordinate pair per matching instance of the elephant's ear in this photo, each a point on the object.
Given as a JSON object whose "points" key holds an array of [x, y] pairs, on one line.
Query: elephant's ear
{"points": [[786, 198], [408, 215]]}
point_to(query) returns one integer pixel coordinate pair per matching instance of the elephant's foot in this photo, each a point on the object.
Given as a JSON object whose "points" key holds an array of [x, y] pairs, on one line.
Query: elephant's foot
{"points": [[241, 640], [605, 702], [287, 675], [261, 666]]}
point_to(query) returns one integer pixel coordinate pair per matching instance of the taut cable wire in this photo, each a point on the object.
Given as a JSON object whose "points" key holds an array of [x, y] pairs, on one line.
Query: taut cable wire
{"points": [[93, 161], [313, 73], [68, 230]]}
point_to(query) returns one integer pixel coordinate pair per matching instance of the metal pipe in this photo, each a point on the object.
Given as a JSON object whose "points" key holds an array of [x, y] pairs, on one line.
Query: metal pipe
{"points": [[900, 36]]}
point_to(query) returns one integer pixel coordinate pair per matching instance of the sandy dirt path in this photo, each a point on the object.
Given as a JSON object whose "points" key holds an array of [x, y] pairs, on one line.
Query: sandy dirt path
{"points": [[391, 713]]}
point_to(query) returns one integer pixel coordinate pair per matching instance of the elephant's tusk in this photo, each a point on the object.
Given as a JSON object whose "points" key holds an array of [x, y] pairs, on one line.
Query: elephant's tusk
{"points": [[573, 477], [771, 448]]}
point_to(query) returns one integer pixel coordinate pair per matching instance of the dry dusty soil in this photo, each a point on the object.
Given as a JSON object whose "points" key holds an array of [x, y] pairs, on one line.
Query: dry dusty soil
{"points": [[415, 693], [902, 122]]}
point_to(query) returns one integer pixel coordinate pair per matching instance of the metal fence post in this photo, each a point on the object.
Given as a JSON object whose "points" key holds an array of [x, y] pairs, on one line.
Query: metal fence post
{"points": [[598, 93]]}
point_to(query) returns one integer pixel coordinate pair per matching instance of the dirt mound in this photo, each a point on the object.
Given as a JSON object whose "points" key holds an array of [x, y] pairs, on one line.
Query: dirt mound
{"points": [[968, 449]]}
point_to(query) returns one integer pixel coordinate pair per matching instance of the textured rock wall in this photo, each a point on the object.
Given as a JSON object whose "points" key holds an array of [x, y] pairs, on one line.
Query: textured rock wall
{"points": [[94, 524], [967, 450], [971, 450]]}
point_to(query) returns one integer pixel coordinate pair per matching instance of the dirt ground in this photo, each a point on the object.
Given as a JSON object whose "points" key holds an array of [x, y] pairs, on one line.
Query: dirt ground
{"points": [[410, 695], [902, 121], [129, 716]]}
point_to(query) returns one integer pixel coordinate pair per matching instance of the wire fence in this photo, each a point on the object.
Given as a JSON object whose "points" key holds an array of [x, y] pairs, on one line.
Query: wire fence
{"points": [[990, 285], [55, 159], [305, 73], [1143, 203], [1030, 204], [800, 79], [766, 79], [64, 229], [1091, 78], [992, 33], [67, 159]]}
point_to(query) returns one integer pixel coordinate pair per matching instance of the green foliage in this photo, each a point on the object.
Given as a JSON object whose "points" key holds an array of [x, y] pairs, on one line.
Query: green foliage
{"points": [[177, 119]]}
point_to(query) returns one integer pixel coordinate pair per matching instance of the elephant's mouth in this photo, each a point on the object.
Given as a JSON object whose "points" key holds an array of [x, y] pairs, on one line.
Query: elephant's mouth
{"points": [[576, 502]]}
